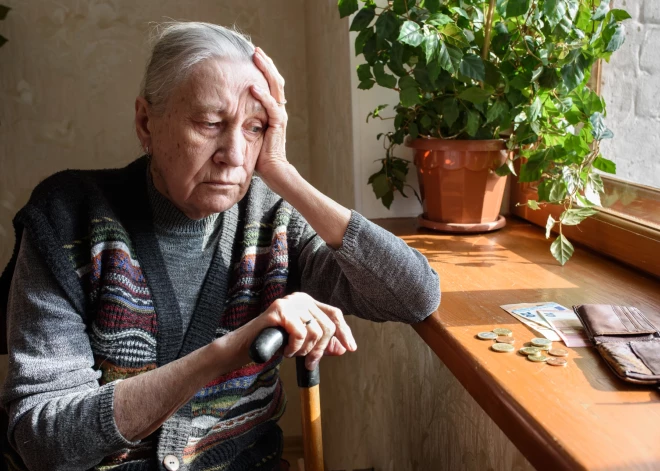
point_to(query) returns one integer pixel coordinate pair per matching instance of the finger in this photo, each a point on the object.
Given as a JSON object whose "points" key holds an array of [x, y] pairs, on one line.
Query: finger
{"points": [[334, 348], [276, 114], [328, 330], [314, 335], [295, 329], [343, 331], [273, 77]]}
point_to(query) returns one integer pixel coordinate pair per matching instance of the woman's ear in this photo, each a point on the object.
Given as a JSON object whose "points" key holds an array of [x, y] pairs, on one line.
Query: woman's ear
{"points": [[142, 123]]}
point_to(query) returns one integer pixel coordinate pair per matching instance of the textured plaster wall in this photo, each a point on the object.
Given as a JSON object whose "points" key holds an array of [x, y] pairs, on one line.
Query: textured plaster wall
{"points": [[69, 77], [631, 88], [329, 102]]}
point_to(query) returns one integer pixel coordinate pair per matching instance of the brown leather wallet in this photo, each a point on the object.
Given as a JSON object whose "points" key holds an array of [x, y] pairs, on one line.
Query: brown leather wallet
{"points": [[626, 338]]}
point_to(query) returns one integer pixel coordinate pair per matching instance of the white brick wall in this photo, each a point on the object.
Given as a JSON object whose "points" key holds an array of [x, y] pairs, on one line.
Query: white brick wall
{"points": [[631, 88]]}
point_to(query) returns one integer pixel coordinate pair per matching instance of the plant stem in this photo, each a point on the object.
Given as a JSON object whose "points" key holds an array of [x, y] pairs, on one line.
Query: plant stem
{"points": [[487, 29]]}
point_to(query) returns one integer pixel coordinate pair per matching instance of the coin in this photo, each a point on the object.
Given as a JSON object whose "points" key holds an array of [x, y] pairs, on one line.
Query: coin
{"points": [[503, 331], [530, 351], [505, 339], [502, 347], [537, 358], [487, 335], [541, 342], [558, 352], [556, 362]]}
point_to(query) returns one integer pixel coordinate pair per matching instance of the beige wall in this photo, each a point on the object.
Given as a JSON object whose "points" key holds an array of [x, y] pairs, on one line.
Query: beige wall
{"points": [[329, 101]]}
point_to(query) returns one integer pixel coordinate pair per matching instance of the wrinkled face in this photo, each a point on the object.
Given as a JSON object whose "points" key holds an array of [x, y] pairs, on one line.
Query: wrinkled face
{"points": [[207, 140]]}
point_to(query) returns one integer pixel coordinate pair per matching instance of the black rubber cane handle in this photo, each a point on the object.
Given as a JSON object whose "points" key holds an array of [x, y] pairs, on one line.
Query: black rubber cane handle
{"points": [[268, 342]]}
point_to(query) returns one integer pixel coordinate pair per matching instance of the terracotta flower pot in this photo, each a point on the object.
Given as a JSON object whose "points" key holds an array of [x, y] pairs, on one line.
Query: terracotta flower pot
{"points": [[459, 187]]}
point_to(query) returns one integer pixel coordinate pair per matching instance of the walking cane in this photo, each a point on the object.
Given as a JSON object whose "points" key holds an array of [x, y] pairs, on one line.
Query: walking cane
{"points": [[267, 343]]}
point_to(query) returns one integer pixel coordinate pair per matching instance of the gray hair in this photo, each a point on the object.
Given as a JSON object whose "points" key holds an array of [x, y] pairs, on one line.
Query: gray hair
{"points": [[178, 46]]}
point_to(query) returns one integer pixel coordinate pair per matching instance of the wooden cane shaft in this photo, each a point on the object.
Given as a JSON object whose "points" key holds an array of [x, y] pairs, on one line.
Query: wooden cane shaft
{"points": [[311, 427]]}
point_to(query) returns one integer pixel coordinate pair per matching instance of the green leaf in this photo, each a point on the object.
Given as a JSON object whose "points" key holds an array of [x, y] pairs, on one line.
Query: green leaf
{"points": [[549, 225], [531, 170], [439, 19], [410, 34], [347, 7], [387, 199], [383, 79], [449, 57], [423, 79], [549, 78], [473, 121], [593, 189], [472, 66], [517, 8], [431, 5], [533, 204], [450, 111], [573, 217], [557, 191], [614, 36], [572, 6], [496, 110], [475, 94], [401, 7], [364, 72], [409, 97], [601, 11], [534, 110], [587, 101], [3, 40], [460, 12], [366, 84], [431, 43], [362, 19], [361, 39], [380, 185], [506, 168], [3, 11], [455, 36], [413, 131], [571, 179], [408, 82], [619, 15], [426, 121], [387, 26], [604, 165], [561, 249], [554, 11], [599, 130], [573, 72]]}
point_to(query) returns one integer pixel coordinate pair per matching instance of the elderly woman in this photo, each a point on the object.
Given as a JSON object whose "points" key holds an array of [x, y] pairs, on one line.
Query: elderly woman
{"points": [[134, 294]]}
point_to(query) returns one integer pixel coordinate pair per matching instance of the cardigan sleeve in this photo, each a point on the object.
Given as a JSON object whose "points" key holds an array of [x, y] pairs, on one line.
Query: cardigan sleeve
{"points": [[373, 275], [59, 416]]}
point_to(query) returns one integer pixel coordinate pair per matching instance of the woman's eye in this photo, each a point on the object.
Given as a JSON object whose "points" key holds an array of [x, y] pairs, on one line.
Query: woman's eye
{"points": [[210, 124], [256, 129]]}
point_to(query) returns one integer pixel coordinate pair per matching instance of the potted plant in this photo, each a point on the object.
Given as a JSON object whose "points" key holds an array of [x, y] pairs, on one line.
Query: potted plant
{"points": [[509, 73]]}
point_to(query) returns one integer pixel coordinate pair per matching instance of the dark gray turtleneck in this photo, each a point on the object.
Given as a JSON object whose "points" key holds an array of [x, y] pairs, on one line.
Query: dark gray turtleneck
{"points": [[187, 246]]}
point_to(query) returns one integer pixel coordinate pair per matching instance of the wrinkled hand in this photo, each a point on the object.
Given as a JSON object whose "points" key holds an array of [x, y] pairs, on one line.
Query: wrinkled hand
{"points": [[273, 150], [315, 329]]}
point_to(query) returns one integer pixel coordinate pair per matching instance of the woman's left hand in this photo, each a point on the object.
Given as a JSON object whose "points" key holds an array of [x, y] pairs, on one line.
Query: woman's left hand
{"points": [[272, 157]]}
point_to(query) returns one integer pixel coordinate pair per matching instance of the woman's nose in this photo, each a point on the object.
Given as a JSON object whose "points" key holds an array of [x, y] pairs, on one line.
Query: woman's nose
{"points": [[231, 148]]}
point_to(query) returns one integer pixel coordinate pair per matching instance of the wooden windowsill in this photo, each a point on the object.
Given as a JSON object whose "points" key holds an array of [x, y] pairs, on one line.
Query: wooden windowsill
{"points": [[578, 417]]}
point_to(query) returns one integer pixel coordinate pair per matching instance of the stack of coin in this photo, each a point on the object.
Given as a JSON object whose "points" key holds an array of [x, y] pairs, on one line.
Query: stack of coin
{"points": [[534, 350]]}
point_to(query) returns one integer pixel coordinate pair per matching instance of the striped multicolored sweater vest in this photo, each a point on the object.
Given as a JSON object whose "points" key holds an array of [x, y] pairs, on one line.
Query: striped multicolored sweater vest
{"points": [[230, 424]]}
